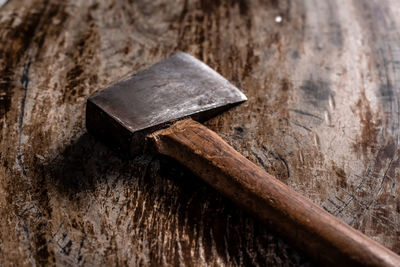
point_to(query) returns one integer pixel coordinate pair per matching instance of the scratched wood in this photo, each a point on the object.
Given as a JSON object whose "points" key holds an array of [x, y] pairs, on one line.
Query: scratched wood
{"points": [[322, 78]]}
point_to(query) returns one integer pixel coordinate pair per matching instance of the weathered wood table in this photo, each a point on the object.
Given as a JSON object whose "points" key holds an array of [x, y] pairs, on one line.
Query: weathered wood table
{"points": [[322, 78]]}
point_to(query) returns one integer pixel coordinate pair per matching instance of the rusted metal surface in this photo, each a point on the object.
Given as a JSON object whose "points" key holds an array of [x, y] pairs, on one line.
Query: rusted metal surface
{"points": [[322, 115]]}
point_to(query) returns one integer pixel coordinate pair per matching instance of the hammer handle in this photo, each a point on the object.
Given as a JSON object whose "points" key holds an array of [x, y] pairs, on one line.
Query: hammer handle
{"points": [[304, 224]]}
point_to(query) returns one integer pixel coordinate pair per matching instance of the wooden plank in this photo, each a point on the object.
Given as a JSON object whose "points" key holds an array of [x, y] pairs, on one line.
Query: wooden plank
{"points": [[323, 116]]}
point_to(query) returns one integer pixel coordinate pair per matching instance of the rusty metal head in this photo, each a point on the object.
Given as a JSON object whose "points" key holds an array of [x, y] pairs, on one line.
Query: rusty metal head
{"points": [[175, 88]]}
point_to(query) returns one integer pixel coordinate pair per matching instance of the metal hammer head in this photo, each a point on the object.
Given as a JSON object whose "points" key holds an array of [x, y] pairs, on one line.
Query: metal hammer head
{"points": [[175, 88]]}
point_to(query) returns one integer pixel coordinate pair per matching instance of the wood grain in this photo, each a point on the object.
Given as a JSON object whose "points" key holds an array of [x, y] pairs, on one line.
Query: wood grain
{"points": [[322, 116], [308, 227]]}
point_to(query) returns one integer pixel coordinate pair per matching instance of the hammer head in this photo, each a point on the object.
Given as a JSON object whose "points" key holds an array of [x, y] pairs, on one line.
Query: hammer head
{"points": [[175, 88]]}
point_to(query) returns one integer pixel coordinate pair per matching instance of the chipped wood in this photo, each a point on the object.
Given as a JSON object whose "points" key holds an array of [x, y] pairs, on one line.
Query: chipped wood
{"points": [[322, 116]]}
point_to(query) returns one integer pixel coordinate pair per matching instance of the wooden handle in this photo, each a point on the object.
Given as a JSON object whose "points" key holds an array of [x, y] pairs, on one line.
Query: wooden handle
{"points": [[304, 224]]}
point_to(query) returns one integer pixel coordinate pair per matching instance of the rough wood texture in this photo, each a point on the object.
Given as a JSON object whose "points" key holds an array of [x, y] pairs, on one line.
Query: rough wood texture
{"points": [[322, 116], [307, 226]]}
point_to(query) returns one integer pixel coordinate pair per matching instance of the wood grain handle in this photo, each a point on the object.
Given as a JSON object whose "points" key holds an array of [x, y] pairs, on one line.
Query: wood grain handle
{"points": [[301, 222]]}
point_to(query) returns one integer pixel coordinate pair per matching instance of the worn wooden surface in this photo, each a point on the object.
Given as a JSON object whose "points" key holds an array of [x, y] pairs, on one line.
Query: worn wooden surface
{"points": [[322, 78], [308, 227]]}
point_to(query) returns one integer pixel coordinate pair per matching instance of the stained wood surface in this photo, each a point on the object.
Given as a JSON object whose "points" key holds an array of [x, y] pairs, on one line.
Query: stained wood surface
{"points": [[309, 228], [323, 116]]}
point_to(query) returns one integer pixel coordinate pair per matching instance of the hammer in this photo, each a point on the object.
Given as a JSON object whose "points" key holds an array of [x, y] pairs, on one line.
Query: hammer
{"points": [[159, 109]]}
